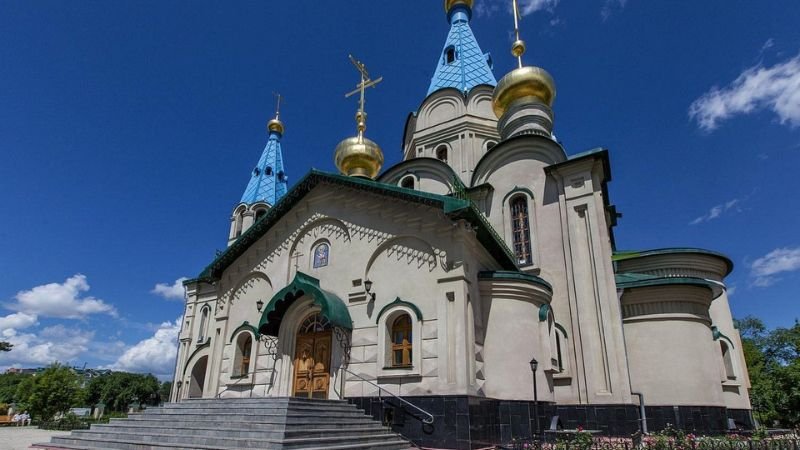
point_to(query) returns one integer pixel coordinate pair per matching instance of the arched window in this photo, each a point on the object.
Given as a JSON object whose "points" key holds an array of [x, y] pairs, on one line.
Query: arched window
{"points": [[441, 153], [401, 341], [449, 55], [407, 182], [268, 171], [201, 332], [727, 360], [314, 323], [281, 176], [244, 346], [489, 145], [260, 213], [321, 255], [521, 230]]}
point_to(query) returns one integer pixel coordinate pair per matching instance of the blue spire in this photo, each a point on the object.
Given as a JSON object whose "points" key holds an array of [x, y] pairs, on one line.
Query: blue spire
{"points": [[462, 64], [268, 181]]}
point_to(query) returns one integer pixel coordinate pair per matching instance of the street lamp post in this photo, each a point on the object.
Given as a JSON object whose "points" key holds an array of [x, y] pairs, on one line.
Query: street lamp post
{"points": [[535, 365]]}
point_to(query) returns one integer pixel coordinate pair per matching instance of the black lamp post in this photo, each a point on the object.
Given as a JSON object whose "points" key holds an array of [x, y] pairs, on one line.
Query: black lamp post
{"points": [[259, 304], [368, 288], [535, 365]]}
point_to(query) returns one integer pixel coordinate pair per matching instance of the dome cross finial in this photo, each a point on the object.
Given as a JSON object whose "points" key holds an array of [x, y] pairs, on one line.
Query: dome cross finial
{"points": [[518, 47], [366, 82]]}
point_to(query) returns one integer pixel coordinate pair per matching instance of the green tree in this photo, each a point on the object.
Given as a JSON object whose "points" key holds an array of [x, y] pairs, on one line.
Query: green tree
{"points": [[51, 392], [5, 346], [119, 389], [773, 362], [8, 386], [164, 391]]}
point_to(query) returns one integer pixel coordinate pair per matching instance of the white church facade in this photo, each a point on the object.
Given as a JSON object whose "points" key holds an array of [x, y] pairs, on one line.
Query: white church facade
{"points": [[445, 279]]}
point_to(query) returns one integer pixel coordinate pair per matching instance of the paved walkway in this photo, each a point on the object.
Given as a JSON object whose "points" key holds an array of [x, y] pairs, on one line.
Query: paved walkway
{"points": [[20, 438]]}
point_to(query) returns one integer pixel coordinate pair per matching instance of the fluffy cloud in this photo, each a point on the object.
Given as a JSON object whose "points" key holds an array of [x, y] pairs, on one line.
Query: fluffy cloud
{"points": [[51, 344], [764, 269], [155, 354], [17, 321], [718, 210], [775, 88], [531, 6], [61, 300], [172, 291]]}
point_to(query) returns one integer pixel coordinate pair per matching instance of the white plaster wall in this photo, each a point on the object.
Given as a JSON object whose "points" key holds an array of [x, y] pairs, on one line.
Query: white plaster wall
{"points": [[735, 391]]}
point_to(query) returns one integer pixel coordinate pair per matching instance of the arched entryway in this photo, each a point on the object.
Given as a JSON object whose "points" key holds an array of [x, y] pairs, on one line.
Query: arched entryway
{"points": [[198, 379], [312, 360]]}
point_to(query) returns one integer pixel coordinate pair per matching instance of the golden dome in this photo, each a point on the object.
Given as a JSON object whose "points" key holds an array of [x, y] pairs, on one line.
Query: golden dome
{"points": [[525, 82], [449, 4], [358, 156], [275, 125]]}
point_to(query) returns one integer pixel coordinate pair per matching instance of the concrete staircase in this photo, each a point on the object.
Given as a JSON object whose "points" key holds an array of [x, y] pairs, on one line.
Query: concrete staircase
{"points": [[228, 424]]}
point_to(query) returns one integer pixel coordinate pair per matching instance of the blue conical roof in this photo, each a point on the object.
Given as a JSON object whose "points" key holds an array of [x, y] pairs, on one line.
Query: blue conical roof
{"points": [[268, 181], [462, 64]]}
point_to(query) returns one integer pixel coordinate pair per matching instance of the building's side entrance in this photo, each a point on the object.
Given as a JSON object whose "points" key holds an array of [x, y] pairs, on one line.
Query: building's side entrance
{"points": [[312, 359]]}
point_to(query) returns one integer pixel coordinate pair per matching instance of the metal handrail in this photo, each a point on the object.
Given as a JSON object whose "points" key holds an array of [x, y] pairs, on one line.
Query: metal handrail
{"points": [[428, 421]]}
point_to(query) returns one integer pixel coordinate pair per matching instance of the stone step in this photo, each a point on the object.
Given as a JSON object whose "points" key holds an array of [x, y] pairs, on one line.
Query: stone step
{"points": [[108, 445], [213, 423], [253, 410], [260, 418], [274, 400], [139, 438], [276, 405], [238, 431]]}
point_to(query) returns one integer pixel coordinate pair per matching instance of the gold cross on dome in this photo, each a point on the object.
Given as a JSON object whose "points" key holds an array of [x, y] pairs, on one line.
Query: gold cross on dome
{"points": [[278, 98], [365, 83]]}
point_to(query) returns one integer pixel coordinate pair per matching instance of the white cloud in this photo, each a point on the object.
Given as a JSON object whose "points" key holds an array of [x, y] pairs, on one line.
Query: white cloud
{"points": [[775, 88], [155, 354], [61, 300], [531, 6], [172, 291], [717, 210], [51, 344], [764, 269], [16, 321]]}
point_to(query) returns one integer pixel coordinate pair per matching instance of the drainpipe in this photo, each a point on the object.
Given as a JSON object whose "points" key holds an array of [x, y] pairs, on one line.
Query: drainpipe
{"points": [[643, 419]]}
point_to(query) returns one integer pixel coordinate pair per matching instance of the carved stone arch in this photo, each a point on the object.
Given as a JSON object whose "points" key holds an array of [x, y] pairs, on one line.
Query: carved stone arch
{"points": [[410, 248], [424, 168], [240, 209], [327, 226], [518, 148], [479, 101], [447, 105], [241, 288]]}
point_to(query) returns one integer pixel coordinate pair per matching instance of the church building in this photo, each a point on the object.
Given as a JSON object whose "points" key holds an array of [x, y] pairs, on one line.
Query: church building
{"points": [[470, 294]]}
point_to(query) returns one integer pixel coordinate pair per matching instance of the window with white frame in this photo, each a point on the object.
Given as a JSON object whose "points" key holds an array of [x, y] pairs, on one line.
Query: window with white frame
{"points": [[727, 360], [201, 332], [241, 360], [521, 229], [399, 341]]}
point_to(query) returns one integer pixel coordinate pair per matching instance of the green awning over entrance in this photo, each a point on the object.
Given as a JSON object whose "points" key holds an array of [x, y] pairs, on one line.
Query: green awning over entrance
{"points": [[333, 308]]}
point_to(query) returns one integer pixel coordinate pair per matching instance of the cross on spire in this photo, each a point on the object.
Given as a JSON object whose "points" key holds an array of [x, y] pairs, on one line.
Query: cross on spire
{"points": [[518, 47], [278, 99], [366, 82]]}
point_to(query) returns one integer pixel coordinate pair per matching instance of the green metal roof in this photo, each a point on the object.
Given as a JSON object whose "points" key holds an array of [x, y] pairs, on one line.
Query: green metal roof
{"points": [[452, 207], [632, 254], [636, 280], [333, 308], [400, 302]]}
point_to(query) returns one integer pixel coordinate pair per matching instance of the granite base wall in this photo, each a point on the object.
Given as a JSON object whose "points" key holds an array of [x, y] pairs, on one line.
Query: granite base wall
{"points": [[465, 422]]}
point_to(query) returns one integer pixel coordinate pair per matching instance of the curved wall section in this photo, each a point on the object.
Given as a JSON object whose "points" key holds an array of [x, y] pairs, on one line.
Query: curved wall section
{"points": [[671, 351]]}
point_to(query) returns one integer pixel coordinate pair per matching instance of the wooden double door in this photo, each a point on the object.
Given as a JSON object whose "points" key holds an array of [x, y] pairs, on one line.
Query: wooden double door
{"points": [[312, 363]]}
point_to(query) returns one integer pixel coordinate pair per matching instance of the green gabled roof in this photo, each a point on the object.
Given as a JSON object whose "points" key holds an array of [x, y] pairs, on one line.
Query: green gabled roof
{"points": [[631, 254], [452, 207]]}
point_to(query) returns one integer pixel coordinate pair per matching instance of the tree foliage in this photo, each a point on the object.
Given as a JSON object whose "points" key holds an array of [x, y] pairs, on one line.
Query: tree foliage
{"points": [[5, 346], [8, 386], [119, 389], [51, 392], [773, 362]]}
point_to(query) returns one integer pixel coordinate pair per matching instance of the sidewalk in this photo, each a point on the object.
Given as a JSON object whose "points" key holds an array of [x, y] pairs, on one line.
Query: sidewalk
{"points": [[20, 438]]}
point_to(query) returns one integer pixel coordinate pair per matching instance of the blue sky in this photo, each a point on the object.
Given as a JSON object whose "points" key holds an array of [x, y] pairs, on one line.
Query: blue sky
{"points": [[128, 131]]}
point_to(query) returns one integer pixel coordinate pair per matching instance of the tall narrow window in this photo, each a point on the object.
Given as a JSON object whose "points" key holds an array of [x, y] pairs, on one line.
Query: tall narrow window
{"points": [[401, 341], [201, 333], [244, 346], [407, 182], [441, 153], [520, 227], [726, 359], [450, 55], [260, 213], [559, 355]]}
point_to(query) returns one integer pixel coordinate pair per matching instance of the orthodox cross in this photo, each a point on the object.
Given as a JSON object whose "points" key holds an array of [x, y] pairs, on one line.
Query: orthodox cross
{"points": [[278, 99], [296, 258], [518, 47], [361, 87]]}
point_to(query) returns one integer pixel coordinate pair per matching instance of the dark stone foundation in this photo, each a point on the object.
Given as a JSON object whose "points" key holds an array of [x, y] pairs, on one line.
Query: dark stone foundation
{"points": [[465, 422]]}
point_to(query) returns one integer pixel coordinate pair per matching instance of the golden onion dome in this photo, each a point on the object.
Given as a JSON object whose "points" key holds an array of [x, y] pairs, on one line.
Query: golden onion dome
{"points": [[358, 156], [275, 125], [449, 4], [522, 83]]}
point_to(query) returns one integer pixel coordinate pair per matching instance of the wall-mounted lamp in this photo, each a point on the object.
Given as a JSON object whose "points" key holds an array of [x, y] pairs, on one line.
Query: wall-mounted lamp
{"points": [[259, 304], [368, 288]]}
